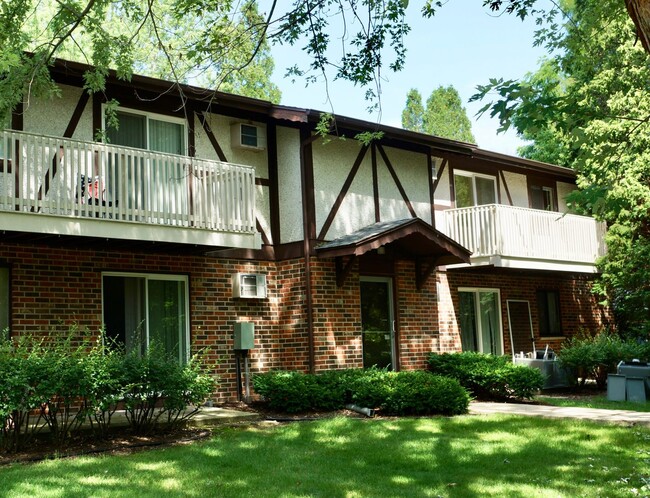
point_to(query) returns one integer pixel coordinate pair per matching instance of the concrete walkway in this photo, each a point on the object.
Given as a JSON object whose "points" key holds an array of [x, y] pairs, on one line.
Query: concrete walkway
{"points": [[592, 414]]}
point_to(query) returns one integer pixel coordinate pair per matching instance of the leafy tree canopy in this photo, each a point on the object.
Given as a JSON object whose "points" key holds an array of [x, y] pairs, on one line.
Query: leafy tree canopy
{"points": [[588, 107], [444, 115]]}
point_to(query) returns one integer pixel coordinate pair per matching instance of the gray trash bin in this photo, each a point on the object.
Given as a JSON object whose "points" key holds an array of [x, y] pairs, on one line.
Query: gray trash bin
{"points": [[616, 390]]}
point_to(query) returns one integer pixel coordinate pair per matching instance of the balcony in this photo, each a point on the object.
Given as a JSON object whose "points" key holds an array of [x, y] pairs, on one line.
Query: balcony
{"points": [[514, 237], [60, 186]]}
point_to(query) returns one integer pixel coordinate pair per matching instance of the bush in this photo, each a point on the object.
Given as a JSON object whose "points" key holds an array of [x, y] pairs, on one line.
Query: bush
{"points": [[488, 376], [403, 393], [60, 381], [595, 356], [422, 393]]}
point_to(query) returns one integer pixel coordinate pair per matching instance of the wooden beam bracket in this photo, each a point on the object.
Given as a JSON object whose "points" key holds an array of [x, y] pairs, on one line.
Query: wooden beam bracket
{"points": [[343, 270]]}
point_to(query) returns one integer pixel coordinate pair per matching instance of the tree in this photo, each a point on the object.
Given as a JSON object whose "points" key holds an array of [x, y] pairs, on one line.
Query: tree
{"points": [[444, 116], [588, 107], [371, 39], [413, 113]]}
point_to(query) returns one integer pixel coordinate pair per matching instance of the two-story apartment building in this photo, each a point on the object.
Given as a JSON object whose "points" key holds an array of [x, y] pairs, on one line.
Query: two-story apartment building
{"points": [[202, 211]]}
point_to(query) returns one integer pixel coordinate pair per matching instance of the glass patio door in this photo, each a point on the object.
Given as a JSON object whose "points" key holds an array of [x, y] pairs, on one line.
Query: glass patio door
{"points": [[480, 321], [377, 322]]}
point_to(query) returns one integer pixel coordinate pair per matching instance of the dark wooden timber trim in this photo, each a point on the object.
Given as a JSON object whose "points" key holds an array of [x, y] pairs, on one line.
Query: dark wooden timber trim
{"points": [[191, 134], [344, 191], [439, 173], [309, 228], [265, 238], [392, 172], [432, 201], [69, 131], [273, 181], [213, 140], [17, 117], [343, 270], [97, 113], [422, 277], [375, 182], [292, 250], [505, 186], [263, 182]]}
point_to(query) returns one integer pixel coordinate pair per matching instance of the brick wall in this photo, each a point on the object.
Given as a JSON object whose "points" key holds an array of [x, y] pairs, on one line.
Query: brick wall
{"points": [[579, 308], [53, 288]]}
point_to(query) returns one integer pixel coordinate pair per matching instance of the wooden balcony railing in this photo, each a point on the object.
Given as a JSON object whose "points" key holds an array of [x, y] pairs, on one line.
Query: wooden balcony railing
{"points": [[71, 178], [498, 230]]}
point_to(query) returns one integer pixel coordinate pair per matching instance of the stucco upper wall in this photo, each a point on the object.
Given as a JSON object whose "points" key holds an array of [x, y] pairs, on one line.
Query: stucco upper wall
{"points": [[564, 189], [290, 197], [517, 186], [52, 115], [333, 161], [220, 126]]}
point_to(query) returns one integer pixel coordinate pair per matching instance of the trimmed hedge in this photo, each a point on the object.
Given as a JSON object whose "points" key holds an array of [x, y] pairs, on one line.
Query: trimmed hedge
{"points": [[394, 393], [593, 357], [64, 381], [488, 376]]}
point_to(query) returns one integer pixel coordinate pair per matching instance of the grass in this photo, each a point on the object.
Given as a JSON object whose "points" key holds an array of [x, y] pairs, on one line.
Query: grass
{"points": [[448, 457], [595, 401]]}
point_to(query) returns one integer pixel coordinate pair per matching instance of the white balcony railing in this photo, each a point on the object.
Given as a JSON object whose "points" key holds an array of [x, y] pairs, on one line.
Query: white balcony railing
{"points": [[531, 234], [71, 178]]}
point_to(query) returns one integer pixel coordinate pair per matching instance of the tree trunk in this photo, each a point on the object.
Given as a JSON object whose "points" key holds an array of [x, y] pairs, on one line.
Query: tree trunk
{"points": [[639, 11]]}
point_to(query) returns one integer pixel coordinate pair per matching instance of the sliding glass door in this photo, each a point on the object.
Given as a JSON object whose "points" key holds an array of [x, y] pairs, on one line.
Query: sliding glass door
{"points": [[480, 320]]}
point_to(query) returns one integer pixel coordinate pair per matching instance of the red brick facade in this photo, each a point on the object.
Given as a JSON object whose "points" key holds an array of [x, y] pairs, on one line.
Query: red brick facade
{"points": [[52, 288]]}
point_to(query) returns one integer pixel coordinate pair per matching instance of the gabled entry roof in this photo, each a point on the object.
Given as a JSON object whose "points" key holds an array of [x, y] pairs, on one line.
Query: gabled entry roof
{"points": [[411, 237]]}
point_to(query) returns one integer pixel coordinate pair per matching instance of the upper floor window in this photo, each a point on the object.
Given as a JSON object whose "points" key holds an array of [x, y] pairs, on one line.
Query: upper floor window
{"points": [[542, 197], [148, 131], [473, 189], [5, 143]]}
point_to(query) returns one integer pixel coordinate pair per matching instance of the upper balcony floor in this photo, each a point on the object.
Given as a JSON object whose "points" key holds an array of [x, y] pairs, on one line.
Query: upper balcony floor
{"points": [[53, 185]]}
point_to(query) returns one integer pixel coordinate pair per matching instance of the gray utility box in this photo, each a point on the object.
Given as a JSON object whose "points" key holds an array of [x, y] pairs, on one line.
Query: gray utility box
{"points": [[244, 335]]}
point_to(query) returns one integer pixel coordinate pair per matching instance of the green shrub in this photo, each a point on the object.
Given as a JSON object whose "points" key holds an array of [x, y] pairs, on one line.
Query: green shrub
{"points": [[488, 376], [403, 393], [595, 356], [422, 393]]}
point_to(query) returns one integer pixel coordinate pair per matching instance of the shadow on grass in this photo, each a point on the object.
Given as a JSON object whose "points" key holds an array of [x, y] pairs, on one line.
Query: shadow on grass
{"points": [[458, 457]]}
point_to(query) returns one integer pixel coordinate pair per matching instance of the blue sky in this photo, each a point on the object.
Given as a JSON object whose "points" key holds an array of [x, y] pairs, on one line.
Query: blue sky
{"points": [[463, 45]]}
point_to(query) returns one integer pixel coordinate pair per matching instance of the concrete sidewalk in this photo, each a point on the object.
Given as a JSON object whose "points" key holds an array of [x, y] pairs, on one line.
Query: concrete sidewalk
{"points": [[592, 414]]}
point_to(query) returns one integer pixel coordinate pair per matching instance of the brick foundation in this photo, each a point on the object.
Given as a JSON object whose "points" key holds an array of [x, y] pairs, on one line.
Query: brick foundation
{"points": [[53, 288]]}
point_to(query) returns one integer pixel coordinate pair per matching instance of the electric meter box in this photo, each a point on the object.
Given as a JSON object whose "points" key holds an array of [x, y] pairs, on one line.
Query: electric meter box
{"points": [[244, 335]]}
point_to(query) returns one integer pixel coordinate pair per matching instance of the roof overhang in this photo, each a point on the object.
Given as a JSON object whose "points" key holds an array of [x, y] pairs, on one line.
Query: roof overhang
{"points": [[410, 238]]}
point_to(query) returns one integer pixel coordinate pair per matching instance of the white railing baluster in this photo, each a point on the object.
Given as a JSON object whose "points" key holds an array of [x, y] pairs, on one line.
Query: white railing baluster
{"points": [[41, 174]]}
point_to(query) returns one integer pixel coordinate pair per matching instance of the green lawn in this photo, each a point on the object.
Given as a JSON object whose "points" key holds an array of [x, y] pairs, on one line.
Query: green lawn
{"points": [[456, 457], [596, 401]]}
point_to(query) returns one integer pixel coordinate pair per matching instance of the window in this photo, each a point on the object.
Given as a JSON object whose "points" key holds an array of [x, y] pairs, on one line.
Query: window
{"points": [[548, 310], [542, 198], [472, 189], [4, 301], [141, 309], [5, 143], [480, 320], [148, 131]]}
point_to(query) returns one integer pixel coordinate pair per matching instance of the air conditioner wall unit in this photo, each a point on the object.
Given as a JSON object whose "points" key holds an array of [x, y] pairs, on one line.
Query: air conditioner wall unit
{"points": [[247, 136], [249, 285]]}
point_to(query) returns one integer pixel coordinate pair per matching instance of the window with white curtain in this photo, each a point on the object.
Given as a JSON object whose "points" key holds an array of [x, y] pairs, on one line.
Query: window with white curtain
{"points": [[140, 309], [480, 320]]}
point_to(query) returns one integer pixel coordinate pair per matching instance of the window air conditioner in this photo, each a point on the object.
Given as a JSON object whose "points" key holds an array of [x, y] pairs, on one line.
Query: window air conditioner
{"points": [[249, 285], [247, 136]]}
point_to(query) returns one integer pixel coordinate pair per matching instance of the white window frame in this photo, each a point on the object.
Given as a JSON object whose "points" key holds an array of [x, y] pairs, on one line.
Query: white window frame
{"points": [[157, 276], [151, 115], [474, 176], [479, 332]]}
